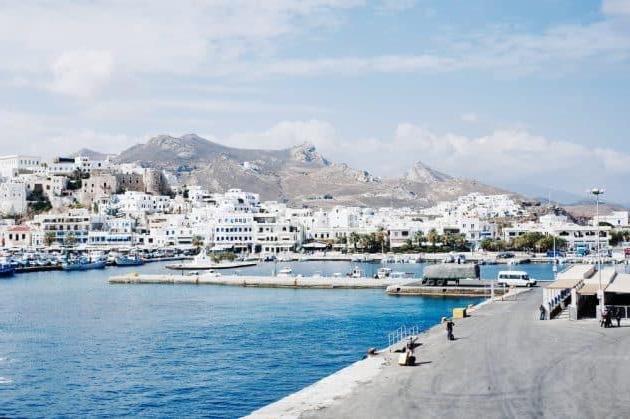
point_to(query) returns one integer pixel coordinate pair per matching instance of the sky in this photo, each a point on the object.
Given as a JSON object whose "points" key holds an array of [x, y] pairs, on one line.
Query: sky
{"points": [[532, 96]]}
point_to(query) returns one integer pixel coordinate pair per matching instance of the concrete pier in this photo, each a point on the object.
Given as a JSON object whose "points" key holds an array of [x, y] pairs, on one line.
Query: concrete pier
{"points": [[504, 364], [258, 281]]}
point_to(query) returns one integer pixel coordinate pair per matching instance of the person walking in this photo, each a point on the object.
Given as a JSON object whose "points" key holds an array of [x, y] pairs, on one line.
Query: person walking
{"points": [[542, 312], [608, 318], [618, 316]]}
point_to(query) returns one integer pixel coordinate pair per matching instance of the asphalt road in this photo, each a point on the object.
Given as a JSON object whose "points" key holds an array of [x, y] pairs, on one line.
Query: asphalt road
{"points": [[504, 364]]}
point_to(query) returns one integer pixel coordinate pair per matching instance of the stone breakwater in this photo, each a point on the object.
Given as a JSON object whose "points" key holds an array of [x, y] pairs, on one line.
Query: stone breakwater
{"points": [[257, 281]]}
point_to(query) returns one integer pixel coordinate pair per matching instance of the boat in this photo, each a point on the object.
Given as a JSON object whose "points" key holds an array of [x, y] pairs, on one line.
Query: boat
{"points": [[383, 273], [203, 262], [6, 270], [286, 271], [356, 273], [129, 260], [83, 264]]}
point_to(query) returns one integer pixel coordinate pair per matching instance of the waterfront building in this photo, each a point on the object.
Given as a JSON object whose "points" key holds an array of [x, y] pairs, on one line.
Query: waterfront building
{"points": [[17, 236], [73, 223]]}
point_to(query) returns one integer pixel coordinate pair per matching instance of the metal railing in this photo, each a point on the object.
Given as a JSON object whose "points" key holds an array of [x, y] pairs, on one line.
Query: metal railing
{"points": [[402, 333]]}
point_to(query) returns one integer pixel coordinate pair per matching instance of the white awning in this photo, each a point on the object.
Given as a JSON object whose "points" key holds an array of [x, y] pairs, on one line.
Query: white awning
{"points": [[621, 284]]}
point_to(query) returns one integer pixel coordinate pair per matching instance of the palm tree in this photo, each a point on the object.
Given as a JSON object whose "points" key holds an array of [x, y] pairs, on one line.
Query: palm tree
{"points": [[50, 238], [354, 238], [433, 237], [197, 241], [70, 239], [418, 237]]}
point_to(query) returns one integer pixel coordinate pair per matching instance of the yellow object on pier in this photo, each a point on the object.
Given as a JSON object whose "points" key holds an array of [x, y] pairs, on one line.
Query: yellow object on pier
{"points": [[459, 313]]}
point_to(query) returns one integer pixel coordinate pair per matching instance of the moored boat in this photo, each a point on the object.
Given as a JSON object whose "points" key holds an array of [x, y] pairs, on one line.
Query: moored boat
{"points": [[129, 261], [83, 264], [6, 270]]}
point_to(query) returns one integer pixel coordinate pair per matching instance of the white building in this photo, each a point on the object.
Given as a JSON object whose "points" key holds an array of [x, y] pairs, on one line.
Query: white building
{"points": [[135, 203], [13, 198], [12, 165]]}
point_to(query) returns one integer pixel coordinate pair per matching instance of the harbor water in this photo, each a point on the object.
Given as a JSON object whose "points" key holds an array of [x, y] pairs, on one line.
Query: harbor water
{"points": [[73, 345]]}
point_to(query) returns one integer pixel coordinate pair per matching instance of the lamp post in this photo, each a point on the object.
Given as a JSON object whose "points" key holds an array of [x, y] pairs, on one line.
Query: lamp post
{"points": [[597, 192]]}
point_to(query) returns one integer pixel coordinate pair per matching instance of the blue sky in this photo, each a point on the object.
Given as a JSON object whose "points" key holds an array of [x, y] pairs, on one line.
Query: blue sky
{"points": [[526, 95]]}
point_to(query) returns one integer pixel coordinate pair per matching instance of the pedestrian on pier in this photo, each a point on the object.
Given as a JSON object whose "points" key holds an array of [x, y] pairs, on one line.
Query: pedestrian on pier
{"points": [[618, 316], [542, 312], [449, 330]]}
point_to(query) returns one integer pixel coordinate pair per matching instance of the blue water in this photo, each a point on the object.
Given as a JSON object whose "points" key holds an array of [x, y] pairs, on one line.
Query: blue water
{"points": [[73, 345]]}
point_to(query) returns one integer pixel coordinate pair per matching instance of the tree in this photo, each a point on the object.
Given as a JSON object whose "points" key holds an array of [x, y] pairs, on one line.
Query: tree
{"points": [[49, 238], [546, 243], [433, 237], [527, 241], [418, 237], [354, 238], [38, 202], [70, 239], [493, 245], [197, 241]]}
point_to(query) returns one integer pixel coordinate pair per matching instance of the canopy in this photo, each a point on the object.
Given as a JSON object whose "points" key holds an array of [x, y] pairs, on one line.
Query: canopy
{"points": [[564, 283], [591, 288], [621, 284]]}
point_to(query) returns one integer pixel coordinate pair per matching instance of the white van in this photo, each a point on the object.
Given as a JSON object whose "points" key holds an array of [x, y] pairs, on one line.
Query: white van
{"points": [[515, 278]]}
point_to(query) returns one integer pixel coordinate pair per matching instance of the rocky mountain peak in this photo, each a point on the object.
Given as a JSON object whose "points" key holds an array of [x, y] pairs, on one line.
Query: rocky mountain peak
{"points": [[307, 153], [421, 173]]}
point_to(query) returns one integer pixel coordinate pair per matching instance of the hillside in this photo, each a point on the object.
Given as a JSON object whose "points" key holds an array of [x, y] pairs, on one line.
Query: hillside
{"points": [[298, 175]]}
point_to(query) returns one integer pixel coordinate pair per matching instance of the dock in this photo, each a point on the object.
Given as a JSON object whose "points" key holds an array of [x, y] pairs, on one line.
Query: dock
{"points": [[465, 288], [258, 281], [504, 363]]}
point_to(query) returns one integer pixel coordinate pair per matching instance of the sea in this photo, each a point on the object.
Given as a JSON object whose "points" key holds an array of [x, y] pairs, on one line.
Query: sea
{"points": [[73, 345]]}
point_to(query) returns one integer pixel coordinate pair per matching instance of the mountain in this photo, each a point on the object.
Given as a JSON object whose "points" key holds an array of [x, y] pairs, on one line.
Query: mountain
{"points": [[298, 175]]}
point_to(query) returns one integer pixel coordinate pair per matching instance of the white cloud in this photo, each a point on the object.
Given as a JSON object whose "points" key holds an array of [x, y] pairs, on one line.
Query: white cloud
{"points": [[470, 117], [616, 7], [289, 133], [145, 36], [81, 73], [395, 5]]}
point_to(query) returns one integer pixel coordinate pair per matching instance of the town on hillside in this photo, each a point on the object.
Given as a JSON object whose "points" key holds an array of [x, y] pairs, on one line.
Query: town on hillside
{"points": [[81, 202]]}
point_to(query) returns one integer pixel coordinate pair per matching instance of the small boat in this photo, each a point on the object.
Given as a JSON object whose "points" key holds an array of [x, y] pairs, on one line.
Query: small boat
{"points": [[383, 273], [6, 270], [356, 273], [286, 271], [83, 264], [130, 260]]}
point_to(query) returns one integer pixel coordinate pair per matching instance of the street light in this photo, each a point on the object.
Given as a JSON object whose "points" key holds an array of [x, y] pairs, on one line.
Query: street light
{"points": [[597, 192]]}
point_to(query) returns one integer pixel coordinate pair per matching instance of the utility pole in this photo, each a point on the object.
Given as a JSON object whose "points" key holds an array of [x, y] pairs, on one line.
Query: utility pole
{"points": [[597, 192]]}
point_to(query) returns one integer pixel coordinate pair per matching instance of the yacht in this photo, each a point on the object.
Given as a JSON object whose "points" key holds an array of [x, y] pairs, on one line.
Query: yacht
{"points": [[286, 271], [356, 273]]}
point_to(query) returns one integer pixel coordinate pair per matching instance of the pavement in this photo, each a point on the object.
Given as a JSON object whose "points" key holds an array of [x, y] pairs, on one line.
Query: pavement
{"points": [[504, 363]]}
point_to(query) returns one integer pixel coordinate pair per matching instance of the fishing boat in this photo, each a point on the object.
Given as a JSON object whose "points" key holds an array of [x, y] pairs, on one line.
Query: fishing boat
{"points": [[83, 264], [129, 260]]}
